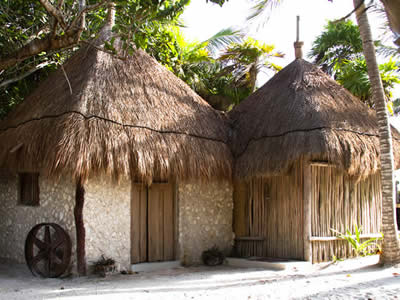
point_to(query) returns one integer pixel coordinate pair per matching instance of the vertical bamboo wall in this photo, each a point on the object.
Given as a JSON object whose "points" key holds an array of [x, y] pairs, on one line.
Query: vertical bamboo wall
{"points": [[339, 203], [268, 216]]}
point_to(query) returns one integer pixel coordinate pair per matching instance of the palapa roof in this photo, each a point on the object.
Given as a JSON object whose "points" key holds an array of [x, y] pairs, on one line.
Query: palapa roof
{"points": [[301, 113], [123, 117]]}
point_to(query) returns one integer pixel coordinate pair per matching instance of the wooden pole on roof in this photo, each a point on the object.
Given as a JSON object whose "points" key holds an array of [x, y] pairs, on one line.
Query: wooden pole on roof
{"points": [[298, 51]]}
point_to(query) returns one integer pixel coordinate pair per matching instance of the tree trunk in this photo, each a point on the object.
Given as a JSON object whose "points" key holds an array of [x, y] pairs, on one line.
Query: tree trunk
{"points": [[253, 72], [391, 247], [392, 9], [80, 228]]}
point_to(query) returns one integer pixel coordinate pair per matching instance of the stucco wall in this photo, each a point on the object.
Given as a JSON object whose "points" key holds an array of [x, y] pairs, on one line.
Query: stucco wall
{"points": [[107, 220], [205, 219], [56, 206], [106, 215]]}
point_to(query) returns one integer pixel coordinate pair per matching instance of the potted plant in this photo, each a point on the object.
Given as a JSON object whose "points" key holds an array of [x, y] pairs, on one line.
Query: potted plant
{"points": [[104, 266], [212, 257]]}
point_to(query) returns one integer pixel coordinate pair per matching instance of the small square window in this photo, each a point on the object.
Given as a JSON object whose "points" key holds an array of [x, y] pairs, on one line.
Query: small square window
{"points": [[29, 189]]}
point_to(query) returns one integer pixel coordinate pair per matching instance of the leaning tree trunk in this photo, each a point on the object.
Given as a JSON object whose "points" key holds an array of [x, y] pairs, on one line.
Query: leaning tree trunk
{"points": [[391, 247]]}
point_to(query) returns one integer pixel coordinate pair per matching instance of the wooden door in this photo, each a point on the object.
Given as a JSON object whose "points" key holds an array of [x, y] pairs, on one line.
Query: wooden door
{"points": [[153, 223]]}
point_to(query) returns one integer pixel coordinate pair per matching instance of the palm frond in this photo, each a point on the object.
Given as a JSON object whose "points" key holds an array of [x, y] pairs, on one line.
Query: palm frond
{"points": [[261, 10], [223, 39], [388, 51]]}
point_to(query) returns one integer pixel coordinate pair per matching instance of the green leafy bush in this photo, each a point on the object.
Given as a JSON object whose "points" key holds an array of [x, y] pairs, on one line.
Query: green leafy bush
{"points": [[367, 247]]}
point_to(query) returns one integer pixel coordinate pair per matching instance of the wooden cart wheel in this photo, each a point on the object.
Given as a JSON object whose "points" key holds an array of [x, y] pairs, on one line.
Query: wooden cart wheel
{"points": [[47, 250]]}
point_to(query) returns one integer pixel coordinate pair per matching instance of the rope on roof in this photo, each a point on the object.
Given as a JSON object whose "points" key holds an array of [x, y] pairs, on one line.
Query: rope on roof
{"points": [[113, 122], [307, 130]]}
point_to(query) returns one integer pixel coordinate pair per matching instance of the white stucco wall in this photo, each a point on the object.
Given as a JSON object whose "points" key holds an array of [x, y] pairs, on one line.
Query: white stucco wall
{"points": [[106, 216], [205, 219], [107, 220], [56, 206]]}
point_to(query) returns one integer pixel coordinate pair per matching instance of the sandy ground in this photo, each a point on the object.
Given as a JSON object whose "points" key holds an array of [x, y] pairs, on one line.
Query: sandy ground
{"points": [[350, 279]]}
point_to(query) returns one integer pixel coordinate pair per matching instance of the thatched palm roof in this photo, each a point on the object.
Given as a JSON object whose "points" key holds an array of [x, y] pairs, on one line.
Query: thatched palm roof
{"points": [[301, 113], [124, 117]]}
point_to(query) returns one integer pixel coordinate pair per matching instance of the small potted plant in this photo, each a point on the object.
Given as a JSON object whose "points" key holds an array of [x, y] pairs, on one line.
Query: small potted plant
{"points": [[213, 256], [104, 266]]}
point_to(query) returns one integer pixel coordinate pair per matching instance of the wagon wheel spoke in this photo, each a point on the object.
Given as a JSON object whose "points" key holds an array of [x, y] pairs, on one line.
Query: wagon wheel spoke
{"points": [[39, 257], [49, 263], [40, 244], [57, 243], [47, 237], [57, 258]]}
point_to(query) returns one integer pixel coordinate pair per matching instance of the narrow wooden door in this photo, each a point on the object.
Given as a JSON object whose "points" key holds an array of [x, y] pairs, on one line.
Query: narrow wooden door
{"points": [[153, 223]]}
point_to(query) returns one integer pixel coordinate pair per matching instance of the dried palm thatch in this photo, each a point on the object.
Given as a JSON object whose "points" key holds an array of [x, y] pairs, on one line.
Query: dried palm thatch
{"points": [[123, 117], [301, 113]]}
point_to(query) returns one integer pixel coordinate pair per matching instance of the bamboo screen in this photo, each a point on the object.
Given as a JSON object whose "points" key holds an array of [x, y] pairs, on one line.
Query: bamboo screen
{"points": [[339, 203], [268, 216]]}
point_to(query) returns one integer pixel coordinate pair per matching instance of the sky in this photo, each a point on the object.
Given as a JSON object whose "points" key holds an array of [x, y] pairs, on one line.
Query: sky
{"points": [[202, 20]]}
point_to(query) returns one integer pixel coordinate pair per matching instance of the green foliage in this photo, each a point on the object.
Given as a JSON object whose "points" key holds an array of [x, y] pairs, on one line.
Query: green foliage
{"points": [[340, 41], [139, 23], [219, 2], [360, 248], [353, 75], [152, 25], [335, 259], [195, 64], [338, 50], [230, 78], [245, 60]]}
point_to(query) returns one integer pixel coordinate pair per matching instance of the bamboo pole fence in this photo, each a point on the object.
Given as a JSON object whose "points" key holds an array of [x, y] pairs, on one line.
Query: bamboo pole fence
{"points": [[269, 213], [340, 203]]}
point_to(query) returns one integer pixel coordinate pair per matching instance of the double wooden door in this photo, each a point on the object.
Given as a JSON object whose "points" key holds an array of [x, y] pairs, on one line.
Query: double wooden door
{"points": [[152, 223]]}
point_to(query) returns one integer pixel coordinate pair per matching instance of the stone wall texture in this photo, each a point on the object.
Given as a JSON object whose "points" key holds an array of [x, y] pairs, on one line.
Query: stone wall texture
{"points": [[56, 206], [106, 216], [205, 219], [107, 220]]}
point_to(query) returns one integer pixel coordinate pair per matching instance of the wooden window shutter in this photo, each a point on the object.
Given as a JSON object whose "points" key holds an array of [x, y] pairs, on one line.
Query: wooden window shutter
{"points": [[29, 189]]}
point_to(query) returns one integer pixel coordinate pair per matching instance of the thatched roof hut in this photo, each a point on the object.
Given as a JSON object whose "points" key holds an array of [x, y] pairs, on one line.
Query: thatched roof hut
{"points": [[306, 162], [100, 113], [302, 113]]}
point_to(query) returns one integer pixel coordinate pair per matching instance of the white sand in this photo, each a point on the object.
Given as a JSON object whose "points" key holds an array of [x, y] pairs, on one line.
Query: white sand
{"points": [[350, 279]]}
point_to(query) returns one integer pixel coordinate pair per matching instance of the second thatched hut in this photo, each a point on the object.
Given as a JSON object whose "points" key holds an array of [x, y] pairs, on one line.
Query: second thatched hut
{"points": [[306, 161]]}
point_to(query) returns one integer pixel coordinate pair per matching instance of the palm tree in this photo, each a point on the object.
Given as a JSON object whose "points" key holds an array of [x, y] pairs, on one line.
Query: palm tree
{"points": [[245, 60], [353, 75], [338, 51], [338, 42], [391, 245]]}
